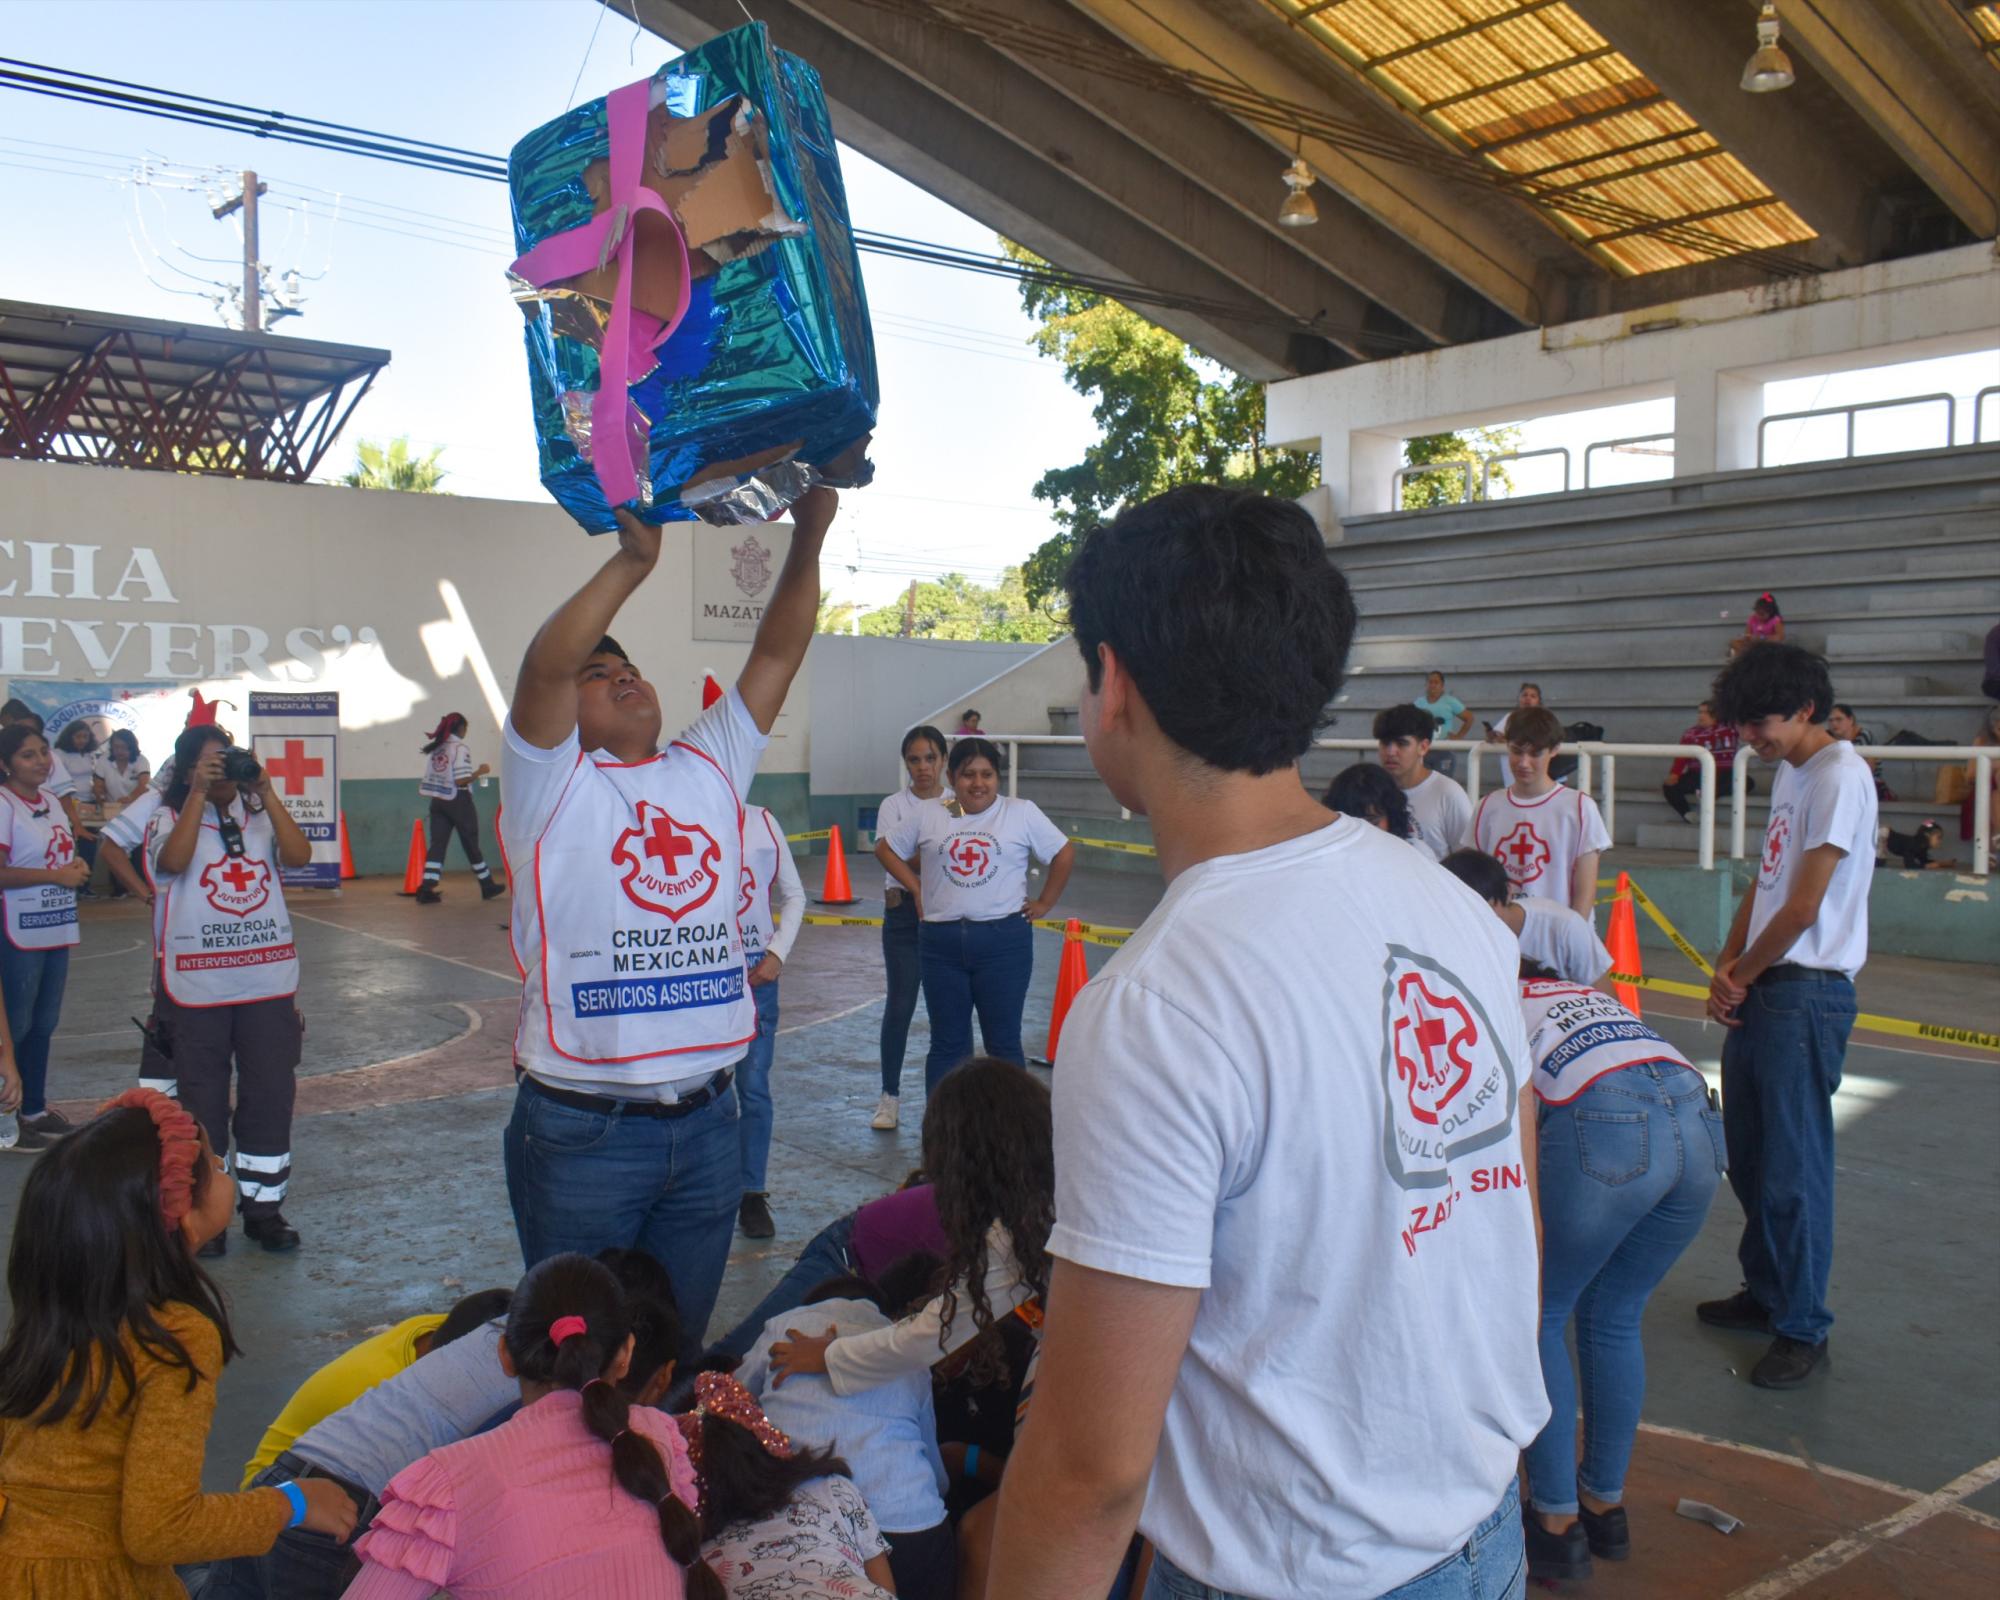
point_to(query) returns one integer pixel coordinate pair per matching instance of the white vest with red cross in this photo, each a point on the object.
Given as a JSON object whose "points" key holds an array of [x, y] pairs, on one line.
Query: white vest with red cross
{"points": [[1577, 1035], [224, 933], [42, 917], [632, 959]]}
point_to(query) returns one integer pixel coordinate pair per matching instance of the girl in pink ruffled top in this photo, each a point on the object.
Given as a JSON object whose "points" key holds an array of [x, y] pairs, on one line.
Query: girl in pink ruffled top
{"points": [[579, 1493]]}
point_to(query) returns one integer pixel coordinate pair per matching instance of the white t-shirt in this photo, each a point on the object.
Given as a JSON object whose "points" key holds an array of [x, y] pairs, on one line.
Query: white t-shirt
{"points": [[127, 830], [1562, 941], [1440, 812], [773, 898], [816, 1548], [1331, 1152], [443, 767], [80, 766], [663, 1048], [120, 786], [60, 780], [1829, 800], [975, 868], [1538, 841], [896, 809], [1577, 1035]]}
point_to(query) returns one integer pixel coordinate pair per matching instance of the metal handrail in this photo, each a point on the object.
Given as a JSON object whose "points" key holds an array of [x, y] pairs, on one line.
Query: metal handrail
{"points": [[1979, 412], [1613, 444], [1488, 463], [1464, 468], [1950, 418]]}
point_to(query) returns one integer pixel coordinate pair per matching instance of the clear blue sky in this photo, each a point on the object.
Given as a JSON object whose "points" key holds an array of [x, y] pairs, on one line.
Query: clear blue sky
{"points": [[970, 415]]}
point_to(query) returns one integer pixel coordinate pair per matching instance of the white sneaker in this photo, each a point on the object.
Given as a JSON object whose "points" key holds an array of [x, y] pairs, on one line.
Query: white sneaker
{"points": [[887, 1114]]}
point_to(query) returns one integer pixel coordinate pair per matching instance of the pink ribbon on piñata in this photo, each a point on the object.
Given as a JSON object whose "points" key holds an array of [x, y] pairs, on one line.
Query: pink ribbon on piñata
{"points": [[631, 335]]}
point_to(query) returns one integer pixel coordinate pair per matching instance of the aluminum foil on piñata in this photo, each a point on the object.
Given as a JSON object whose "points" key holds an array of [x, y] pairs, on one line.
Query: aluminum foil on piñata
{"points": [[697, 333]]}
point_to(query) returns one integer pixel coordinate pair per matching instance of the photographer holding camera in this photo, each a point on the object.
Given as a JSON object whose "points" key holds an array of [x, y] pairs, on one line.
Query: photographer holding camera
{"points": [[228, 969]]}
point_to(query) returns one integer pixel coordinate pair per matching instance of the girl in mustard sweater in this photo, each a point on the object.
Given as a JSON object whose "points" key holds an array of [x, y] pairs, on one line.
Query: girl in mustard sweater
{"points": [[107, 1377]]}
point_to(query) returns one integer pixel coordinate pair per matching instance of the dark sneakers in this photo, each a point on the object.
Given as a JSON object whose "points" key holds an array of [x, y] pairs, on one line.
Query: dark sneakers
{"points": [[753, 1216], [1556, 1557], [272, 1231], [491, 888], [1610, 1538], [1789, 1363], [427, 895], [1740, 1311]]}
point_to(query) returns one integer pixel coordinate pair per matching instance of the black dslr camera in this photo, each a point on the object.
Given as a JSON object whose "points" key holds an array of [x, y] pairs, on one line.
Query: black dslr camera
{"points": [[241, 767]]}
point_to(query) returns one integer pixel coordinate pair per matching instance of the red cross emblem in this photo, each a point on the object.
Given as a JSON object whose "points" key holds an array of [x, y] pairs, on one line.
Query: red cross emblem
{"points": [[971, 857], [1776, 837], [749, 892], [1433, 1038], [1523, 852], [236, 885], [293, 767], [668, 866], [61, 847]]}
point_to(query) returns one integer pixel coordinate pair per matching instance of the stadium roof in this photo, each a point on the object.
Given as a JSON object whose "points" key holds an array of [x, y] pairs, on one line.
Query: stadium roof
{"points": [[103, 389], [1481, 166]]}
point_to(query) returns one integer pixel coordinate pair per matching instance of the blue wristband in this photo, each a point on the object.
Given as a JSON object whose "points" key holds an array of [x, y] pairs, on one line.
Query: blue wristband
{"points": [[292, 1492], [972, 1461]]}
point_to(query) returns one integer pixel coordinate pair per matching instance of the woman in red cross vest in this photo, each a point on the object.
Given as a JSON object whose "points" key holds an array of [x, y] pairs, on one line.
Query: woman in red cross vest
{"points": [[229, 972], [40, 873]]}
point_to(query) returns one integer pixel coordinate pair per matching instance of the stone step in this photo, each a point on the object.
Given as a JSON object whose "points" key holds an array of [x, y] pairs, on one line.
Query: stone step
{"points": [[1674, 836], [1971, 598], [1897, 642]]}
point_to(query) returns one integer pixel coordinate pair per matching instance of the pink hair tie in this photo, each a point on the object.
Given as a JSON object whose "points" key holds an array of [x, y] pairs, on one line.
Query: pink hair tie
{"points": [[180, 1148], [566, 1327]]}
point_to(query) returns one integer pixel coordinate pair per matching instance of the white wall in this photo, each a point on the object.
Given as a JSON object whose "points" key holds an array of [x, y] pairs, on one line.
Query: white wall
{"points": [[410, 605], [868, 692]]}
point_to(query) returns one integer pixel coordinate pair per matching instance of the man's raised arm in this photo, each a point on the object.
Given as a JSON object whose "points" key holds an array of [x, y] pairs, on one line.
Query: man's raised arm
{"points": [[787, 627], [544, 708]]}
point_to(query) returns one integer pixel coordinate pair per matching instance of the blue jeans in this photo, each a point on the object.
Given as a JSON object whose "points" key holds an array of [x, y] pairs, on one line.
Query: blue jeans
{"points": [[32, 981], [1491, 1565], [753, 1091], [904, 966], [827, 1256], [581, 1180], [982, 966], [1779, 1072], [1628, 1169]]}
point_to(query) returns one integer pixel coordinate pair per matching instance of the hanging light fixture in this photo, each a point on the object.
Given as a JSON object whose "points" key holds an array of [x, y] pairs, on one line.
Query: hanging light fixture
{"points": [[1298, 211], [1769, 68]]}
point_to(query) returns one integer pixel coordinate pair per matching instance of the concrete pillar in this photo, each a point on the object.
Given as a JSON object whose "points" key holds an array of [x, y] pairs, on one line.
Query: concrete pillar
{"points": [[1715, 420]]}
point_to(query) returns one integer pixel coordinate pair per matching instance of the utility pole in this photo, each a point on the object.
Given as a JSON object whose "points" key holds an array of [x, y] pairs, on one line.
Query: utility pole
{"points": [[253, 280], [910, 609]]}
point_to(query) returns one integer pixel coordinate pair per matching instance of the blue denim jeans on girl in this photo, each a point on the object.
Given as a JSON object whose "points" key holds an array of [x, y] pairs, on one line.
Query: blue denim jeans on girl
{"points": [[975, 966], [753, 1091], [33, 981], [1779, 1072], [1628, 1169]]}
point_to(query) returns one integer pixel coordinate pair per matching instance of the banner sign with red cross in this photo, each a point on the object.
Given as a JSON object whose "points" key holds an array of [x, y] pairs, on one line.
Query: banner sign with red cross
{"points": [[297, 737]]}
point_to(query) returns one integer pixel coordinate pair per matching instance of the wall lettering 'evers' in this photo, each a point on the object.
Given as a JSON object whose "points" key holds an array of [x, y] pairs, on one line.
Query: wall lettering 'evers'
{"points": [[32, 647]]}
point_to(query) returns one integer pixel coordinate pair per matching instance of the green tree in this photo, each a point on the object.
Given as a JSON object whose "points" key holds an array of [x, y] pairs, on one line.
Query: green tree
{"points": [[395, 468], [1447, 487], [1166, 416], [954, 607]]}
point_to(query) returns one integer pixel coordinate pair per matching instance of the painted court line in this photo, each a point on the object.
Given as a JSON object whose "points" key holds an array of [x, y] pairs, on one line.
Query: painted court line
{"points": [[106, 955], [1880, 1532], [408, 947], [800, 1027]]}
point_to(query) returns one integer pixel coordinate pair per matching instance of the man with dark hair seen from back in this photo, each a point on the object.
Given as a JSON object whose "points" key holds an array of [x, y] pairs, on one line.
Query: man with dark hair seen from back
{"points": [[1192, 1381], [1784, 987]]}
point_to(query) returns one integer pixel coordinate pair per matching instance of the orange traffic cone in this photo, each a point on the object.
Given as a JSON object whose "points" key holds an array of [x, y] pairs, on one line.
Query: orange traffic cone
{"points": [[1071, 976], [835, 891], [711, 691], [1624, 945], [347, 871], [413, 874]]}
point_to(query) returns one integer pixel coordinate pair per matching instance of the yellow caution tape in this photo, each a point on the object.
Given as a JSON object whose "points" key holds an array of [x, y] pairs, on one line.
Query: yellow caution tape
{"points": [[1867, 1020], [1090, 932], [1645, 904], [820, 919], [804, 838], [1123, 846]]}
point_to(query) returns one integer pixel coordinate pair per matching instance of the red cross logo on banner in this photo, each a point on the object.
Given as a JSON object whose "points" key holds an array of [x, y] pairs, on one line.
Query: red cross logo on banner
{"points": [[1523, 852], [236, 885], [1433, 1039], [61, 847], [668, 866], [293, 767]]}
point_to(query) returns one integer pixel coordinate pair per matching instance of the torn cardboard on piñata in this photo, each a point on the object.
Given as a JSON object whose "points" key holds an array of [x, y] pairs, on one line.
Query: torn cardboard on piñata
{"points": [[697, 333]]}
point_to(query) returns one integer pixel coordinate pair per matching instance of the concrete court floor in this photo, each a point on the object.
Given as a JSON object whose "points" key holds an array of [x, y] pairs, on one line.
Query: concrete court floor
{"points": [[398, 1190]]}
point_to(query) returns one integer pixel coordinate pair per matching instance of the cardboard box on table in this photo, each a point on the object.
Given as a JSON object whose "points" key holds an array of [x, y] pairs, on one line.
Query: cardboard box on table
{"points": [[688, 235]]}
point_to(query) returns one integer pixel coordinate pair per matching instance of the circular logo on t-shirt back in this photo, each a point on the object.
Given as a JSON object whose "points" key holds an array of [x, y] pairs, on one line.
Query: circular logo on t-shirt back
{"points": [[1449, 1084], [236, 885], [1777, 839], [1523, 852], [971, 859]]}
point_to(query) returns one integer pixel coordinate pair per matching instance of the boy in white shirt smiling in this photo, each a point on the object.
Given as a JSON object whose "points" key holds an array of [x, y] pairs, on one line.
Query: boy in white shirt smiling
{"points": [[1440, 809], [1276, 1430], [1784, 987], [1546, 836]]}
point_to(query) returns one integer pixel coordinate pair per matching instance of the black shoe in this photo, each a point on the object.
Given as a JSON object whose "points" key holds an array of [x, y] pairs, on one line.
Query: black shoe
{"points": [[50, 1124], [1740, 1311], [428, 895], [1789, 1363], [1556, 1557], [1610, 1538], [272, 1231], [215, 1249], [491, 888], [753, 1216]]}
